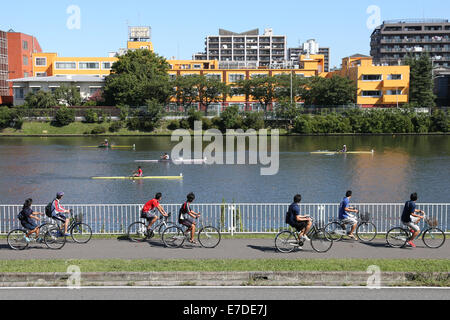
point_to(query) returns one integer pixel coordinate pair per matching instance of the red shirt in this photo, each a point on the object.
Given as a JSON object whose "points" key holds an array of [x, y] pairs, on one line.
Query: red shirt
{"points": [[140, 173], [152, 204]]}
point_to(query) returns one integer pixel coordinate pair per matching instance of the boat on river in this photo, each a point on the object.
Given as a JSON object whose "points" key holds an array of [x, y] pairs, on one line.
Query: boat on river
{"points": [[180, 177], [340, 152], [176, 161]]}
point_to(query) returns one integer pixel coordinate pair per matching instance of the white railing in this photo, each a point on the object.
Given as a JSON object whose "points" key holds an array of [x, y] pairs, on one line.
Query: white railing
{"points": [[236, 218]]}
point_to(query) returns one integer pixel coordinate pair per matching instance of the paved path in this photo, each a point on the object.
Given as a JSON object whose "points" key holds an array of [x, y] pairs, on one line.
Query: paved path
{"points": [[228, 249], [226, 293]]}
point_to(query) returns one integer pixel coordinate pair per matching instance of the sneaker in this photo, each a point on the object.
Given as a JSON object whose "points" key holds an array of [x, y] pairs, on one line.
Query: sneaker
{"points": [[28, 240], [305, 238], [67, 235], [411, 244]]}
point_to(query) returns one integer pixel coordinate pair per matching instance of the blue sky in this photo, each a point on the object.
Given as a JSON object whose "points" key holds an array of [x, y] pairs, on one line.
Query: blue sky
{"points": [[179, 28]]}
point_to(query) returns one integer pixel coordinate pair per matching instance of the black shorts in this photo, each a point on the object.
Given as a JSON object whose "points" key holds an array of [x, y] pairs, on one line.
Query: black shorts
{"points": [[29, 226], [148, 216], [187, 222], [299, 225]]}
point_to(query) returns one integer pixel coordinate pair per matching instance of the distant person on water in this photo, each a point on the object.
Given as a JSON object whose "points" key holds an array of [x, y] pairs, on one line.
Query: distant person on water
{"points": [[149, 210], [165, 157], [410, 218], [345, 214], [28, 219], [139, 173], [106, 143], [187, 216], [344, 149]]}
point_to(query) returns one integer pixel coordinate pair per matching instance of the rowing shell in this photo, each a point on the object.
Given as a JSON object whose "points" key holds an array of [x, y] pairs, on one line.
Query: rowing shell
{"points": [[110, 147], [187, 161], [180, 177], [349, 152]]}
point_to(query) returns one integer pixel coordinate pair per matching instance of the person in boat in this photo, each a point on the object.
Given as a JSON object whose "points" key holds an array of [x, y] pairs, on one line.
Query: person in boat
{"points": [[105, 143], [165, 157], [139, 173], [344, 149]]}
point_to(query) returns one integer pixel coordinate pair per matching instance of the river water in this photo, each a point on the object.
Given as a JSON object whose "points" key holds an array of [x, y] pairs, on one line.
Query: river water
{"points": [[40, 167]]}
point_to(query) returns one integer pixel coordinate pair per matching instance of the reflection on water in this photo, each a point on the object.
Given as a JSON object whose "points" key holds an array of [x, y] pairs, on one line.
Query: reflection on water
{"points": [[40, 167]]}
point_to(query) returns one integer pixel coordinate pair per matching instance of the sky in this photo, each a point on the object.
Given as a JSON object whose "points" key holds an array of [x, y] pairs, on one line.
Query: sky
{"points": [[179, 28]]}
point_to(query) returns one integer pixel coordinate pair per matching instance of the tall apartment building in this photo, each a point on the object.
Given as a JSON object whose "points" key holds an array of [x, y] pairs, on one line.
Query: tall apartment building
{"points": [[246, 49], [395, 39], [4, 87], [311, 47]]}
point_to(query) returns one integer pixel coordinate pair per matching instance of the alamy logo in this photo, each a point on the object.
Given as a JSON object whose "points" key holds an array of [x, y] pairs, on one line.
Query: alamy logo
{"points": [[74, 280], [235, 142], [74, 20], [374, 280], [374, 19]]}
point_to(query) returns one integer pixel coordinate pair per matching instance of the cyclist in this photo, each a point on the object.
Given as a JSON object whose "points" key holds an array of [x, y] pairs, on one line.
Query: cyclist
{"points": [[410, 218], [58, 212], [301, 223], [345, 214], [29, 218], [149, 209], [187, 216]]}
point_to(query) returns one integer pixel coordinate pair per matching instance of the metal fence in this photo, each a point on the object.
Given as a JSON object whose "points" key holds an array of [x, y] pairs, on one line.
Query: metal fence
{"points": [[231, 218]]}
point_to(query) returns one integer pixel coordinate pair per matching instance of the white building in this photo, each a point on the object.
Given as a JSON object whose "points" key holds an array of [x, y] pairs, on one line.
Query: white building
{"points": [[87, 85]]}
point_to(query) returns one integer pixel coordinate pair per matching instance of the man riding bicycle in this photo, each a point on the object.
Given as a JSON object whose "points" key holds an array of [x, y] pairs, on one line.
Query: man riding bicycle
{"points": [[58, 212], [345, 214], [301, 223], [149, 210], [411, 219], [187, 216]]}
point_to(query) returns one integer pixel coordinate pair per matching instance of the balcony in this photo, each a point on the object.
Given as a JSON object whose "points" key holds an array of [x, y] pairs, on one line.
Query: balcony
{"points": [[393, 99], [395, 83]]}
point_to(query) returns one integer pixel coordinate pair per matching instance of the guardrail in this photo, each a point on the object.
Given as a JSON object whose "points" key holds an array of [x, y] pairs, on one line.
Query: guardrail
{"points": [[239, 218]]}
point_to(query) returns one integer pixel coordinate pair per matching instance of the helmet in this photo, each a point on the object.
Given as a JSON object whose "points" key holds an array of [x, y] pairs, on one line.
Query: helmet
{"points": [[59, 194]]}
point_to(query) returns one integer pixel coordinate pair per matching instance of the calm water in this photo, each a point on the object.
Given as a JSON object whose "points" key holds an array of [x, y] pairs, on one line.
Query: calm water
{"points": [[39, 167]]}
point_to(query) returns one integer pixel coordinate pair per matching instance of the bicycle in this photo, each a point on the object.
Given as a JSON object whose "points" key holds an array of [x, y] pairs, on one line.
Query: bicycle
{"points": [[287, 241], [79, 232], [366, 231], [138, 231], [208, 236], [49, 234], [432, 236]]}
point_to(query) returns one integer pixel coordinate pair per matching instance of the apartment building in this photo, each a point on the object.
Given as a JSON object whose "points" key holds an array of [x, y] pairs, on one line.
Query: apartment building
{"points": [[395, 39], [311, 47], [377, 86], [248, 49], [4, 86]]}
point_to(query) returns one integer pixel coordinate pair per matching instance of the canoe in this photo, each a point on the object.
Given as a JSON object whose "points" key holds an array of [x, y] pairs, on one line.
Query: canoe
{"points": [[177, 161], [349, 152], [180, 177]]}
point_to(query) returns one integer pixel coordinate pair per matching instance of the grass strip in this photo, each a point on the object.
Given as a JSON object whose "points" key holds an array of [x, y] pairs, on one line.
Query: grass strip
{"points": [[116, 265]]}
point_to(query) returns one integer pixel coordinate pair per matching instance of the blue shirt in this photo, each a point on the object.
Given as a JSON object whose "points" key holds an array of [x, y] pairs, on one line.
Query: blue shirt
{"points": [[410, 208], [345, 203], [293, 212]]}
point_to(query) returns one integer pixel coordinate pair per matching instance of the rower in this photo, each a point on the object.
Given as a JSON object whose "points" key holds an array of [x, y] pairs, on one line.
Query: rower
{"points": [[106, 143], [139, 173], [165, 157], [344, 149]]}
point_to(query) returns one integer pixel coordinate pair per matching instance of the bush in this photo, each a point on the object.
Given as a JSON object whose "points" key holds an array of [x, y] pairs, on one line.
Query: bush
{"points": [[207, 124], [115, 126], [91, 116], [173, 125], [253, 120], [231, 119], [184, 124], [98, 130], [440, 121], [9, 118], [64, 116], [194, 116]]}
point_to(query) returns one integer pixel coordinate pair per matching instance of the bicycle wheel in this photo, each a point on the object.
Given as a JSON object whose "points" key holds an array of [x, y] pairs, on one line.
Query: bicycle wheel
{"points": [[16, 239], [397, 237], [173, 237], [163, 227], [335, 231], [209, 237], [54, 239], [366, 231], [433, 238], [321, 241], [137, 232], [286, 241], [81, 233]]}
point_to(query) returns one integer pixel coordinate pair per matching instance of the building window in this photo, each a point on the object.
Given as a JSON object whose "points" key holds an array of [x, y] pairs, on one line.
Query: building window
{"points": [[395, 77], [393, 92], [197, 66], [89, 65], [25, 60], [106, 65], [214, 76], [66, 65], [18, 93], [41, 74], [26, 74], [236, 77], [371, 94], [93, 90], [41, 62], [35, 89], [24, 45], [372, 77]]}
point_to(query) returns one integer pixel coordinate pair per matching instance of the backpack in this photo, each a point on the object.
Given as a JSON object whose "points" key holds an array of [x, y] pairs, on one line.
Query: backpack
{"points": [[182, 212], [48, 210], [288, 218], [21, 216]]}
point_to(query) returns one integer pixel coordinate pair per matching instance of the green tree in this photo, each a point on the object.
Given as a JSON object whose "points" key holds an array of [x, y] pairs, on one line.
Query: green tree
{"points": [[136, 77], [40, 99], [231, 119], [211, 90], [68, 96], [330, 91], [186, 91], [260, 88], [64, 116], [286, 82], [421, 81]]}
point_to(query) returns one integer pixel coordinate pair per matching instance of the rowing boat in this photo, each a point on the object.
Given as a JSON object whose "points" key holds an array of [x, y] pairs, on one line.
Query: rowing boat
{"points": [[180, 177], [339, 152], [110, 147], [177, 161]]}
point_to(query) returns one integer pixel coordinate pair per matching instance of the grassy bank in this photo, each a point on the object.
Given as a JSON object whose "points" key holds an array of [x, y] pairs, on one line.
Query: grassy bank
{"points": [[400, 265]]}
